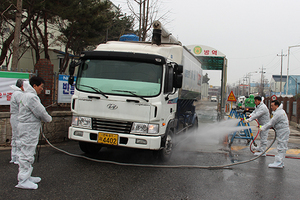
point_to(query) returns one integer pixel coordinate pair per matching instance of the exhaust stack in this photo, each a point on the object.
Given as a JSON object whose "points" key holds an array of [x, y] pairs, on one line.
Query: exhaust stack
{"points": [[162, 35]]}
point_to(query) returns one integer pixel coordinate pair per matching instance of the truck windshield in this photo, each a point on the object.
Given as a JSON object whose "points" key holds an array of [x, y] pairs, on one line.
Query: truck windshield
{"points": [[118, 77]]}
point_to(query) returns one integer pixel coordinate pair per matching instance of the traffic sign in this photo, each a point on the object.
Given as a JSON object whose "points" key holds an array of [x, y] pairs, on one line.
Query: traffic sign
{"points": [[231, 97], [274, 97]]}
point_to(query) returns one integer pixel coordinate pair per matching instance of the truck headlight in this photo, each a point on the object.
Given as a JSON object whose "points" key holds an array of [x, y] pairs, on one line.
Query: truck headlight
{"points": [[84, 122], [144, 128]]}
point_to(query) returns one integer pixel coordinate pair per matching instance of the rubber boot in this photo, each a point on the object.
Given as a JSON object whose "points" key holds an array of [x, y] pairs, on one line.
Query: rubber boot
{"points": [[13, 159], [35, 179], [27, 185], [276, 165]]}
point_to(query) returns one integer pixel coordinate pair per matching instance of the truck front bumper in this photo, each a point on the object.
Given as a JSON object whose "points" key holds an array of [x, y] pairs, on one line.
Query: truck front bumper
{"points": [[124, 140]]}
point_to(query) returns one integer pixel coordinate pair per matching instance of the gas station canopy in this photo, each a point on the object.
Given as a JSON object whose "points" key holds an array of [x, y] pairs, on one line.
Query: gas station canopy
{"points": [[210, 58], [213, 59]]}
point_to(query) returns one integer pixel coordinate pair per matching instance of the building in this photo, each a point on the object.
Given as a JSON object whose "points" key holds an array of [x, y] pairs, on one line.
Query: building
{"points": [[293, 86], [214, 90], [275, 85]]}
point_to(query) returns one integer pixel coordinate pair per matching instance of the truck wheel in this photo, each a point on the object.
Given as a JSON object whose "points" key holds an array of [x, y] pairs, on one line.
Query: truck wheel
{"points": [[168, 144], [89, 148], [195, 125]]}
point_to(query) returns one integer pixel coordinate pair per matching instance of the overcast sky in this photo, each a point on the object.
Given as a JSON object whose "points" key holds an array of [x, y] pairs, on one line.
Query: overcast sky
{"points": [[249, 33]]}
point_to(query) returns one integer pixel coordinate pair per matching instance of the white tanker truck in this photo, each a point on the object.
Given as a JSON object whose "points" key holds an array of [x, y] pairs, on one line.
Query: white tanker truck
{"points": [[135, 94]]}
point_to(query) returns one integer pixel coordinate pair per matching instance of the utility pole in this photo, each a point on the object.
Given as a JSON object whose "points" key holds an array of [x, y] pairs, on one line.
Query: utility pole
{"points": [[247, 79], [281, 69], [262, 80], [249, 84], [239, 87], [15, 57]]}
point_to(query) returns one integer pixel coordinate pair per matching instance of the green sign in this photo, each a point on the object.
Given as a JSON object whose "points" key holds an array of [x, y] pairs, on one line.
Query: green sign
{"points": [[4, 74], [211, 63]]}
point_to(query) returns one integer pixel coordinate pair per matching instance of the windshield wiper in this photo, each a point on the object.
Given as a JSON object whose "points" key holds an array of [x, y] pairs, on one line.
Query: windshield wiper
{"points": [[132, 94], [96, 90]]}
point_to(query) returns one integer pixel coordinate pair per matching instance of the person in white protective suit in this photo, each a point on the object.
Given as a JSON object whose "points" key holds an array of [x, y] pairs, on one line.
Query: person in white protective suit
{"points": [[31, 113], [280, 122], [14, 112], [261, 113]]}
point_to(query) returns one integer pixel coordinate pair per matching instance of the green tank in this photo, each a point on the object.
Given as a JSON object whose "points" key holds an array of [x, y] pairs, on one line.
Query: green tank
{"points": [[249, 103]]}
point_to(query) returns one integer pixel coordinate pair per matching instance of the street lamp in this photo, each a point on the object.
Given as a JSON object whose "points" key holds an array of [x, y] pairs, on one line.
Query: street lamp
{"points": [[288, 63], [281, 70]]}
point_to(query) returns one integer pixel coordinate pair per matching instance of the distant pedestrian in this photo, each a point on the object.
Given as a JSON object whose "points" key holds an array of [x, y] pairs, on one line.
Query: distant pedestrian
{"points": [[280, 122], [261, 113], [31, 113], [14, 112]]}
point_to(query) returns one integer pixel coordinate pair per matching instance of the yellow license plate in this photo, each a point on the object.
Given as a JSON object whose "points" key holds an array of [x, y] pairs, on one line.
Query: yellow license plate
{"points": [[108, 138]]}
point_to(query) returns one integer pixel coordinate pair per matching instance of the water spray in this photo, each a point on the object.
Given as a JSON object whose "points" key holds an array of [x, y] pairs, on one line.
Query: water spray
{"points": [[227, 166]]}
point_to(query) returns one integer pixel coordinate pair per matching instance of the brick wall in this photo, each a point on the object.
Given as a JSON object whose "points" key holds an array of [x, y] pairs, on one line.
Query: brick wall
{"points": [[55, 131], [291, 117], [45, 70]]}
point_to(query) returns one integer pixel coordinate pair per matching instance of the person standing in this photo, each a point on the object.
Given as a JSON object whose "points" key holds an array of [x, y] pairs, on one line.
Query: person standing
{"points": [[280, 123], [31, 113], [14, 112], [261, 113]]}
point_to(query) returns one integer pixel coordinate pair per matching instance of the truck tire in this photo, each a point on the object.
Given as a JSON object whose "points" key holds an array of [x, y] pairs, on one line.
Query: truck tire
{"points": [[195, 125], [168, 144], [89, 148]]}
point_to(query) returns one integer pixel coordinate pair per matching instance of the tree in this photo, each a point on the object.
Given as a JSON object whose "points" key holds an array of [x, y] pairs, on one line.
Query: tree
{"points": [[205, 78], [145, 13], [30, 27], [121, 24], [7, 11], [93, 24], [83, 24]]}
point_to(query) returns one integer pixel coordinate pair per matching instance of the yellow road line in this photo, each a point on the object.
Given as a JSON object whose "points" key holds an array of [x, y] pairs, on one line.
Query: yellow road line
{"points": [[290, 151], [236, 148], [293, 151]]}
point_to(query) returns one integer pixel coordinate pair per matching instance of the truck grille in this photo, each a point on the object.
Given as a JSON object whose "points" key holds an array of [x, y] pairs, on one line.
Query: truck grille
{"points": [[111, 126]]}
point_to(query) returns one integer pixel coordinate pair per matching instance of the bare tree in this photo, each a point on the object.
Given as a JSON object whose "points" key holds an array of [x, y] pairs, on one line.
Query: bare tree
{"points": [[145, 12]]}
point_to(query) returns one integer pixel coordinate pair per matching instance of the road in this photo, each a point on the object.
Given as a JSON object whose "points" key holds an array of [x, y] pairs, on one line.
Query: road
{"points": [[68, 177]]}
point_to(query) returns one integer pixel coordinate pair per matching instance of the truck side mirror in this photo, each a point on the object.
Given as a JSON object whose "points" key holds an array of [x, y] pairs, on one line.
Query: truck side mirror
{"points": [[71, 80], [72, 68], [178, 69], [177, 80]]}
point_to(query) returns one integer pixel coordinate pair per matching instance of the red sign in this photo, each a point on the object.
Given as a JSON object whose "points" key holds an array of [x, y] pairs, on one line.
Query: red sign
{"points": [[231, 97], [274, 97]]}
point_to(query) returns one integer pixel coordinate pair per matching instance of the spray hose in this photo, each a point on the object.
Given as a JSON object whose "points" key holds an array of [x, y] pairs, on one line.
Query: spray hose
{"points": [[157, 166], [253, 141]]}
